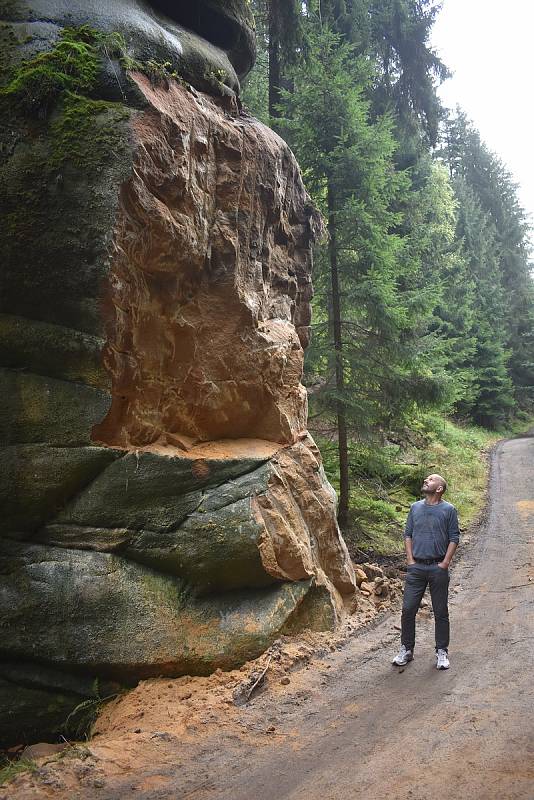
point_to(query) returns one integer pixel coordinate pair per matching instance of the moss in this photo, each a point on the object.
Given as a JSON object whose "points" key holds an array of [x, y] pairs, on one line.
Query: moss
{"points": [[86, 131], [215, 79], [158, 71], [73, 64], [8, 45], [54, 127]]}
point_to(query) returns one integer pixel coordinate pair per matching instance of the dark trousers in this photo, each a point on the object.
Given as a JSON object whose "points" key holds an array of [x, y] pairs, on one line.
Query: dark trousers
{"points": [[418, 577]]}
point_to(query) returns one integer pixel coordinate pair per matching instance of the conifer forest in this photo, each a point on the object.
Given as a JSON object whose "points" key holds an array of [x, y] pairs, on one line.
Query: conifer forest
{"points": [[423, 308]]}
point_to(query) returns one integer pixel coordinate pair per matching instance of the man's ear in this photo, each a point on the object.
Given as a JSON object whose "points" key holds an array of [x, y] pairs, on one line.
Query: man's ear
{"points": [[439, 489]]}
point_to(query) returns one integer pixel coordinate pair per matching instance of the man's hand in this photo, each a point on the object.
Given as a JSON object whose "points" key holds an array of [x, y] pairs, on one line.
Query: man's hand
{"points": [[443, 564], [409, 562]]}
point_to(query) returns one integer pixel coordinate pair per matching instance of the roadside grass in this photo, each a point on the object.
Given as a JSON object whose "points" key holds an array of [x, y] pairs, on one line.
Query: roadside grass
{"points": [[386, 480], [10, 769]]}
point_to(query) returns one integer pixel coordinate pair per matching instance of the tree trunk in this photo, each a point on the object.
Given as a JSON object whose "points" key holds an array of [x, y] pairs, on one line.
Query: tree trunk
{"points": [[275, 66], [343, 510]]}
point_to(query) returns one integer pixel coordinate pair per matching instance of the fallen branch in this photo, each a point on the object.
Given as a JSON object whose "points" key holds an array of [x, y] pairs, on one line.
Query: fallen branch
{"points": [[244, 692], [518, 586]]}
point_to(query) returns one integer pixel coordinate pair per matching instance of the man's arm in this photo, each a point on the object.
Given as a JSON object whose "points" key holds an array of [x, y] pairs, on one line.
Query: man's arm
{"points": [[451, 549], [408, 538], [454, 538], [409, 552]]}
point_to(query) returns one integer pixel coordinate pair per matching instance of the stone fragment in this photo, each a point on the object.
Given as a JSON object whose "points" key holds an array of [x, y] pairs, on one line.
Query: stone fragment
{"points": [[213, 252], [353, 605], [360, 575], [372, 571], [35, 752]]}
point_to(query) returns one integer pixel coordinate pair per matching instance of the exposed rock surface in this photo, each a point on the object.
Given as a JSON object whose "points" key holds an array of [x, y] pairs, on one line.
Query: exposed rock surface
{"points": [[165, 511], [210, 287]]}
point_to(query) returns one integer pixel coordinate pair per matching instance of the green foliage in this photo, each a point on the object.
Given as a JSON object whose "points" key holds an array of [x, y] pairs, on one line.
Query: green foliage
{"points": [[255, 94], [158, 71], [10, 769], [386, 479], [82, 718], [385, 231], [494, 243]]}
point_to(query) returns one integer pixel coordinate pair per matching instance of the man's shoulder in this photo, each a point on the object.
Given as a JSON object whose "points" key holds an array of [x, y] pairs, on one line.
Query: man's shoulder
{"points": [[444, 505], [417, 504]]}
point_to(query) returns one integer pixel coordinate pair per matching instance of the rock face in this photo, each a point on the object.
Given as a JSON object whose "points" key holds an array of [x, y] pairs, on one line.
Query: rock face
{"points": [[165, 510], [210, 285]]}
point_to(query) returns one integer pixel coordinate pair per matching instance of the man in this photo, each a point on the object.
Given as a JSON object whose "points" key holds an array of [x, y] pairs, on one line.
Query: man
{"points": [[430, 538]]}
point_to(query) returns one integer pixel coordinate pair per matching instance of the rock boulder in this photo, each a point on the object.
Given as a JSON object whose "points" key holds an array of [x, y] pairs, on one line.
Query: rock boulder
{"points": [[165, 510]]}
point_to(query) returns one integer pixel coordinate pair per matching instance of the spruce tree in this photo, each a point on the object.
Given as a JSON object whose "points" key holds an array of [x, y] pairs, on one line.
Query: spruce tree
{"points": [[493, 190], [370, 326]]}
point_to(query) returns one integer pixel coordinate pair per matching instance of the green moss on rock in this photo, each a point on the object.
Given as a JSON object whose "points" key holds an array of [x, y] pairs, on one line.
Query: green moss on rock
{"points": [[86, 131], [73, 64], [63, 154]]}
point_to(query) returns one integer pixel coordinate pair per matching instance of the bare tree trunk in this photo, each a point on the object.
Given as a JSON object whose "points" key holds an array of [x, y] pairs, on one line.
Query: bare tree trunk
{"points": [[275, 66], [343, 510]]}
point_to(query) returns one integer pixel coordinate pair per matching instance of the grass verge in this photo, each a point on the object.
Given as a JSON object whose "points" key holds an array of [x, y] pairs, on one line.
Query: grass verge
{"points": [[10, 769], [386, 480]]}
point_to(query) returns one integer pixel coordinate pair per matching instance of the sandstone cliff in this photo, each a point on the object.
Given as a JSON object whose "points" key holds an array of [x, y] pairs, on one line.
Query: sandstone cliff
{"points": [[165, 510]]}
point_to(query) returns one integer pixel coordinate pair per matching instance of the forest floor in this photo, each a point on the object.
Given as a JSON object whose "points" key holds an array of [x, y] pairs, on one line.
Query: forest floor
{"points": [[334, 719]]}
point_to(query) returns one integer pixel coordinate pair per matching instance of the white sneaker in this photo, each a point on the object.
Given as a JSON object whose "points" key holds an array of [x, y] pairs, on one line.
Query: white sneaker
{"points": [[442, 659], [402, 657]]}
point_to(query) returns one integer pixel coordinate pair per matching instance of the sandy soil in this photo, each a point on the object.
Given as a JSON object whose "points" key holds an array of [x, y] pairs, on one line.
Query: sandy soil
{"points": [[334, 719]]}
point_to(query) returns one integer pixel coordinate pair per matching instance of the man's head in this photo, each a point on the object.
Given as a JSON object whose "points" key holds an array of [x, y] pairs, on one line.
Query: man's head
{"points": [[434, 485]]}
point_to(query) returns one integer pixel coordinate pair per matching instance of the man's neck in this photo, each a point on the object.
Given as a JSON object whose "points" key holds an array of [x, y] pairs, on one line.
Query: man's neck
{"points": [[432, 499]]}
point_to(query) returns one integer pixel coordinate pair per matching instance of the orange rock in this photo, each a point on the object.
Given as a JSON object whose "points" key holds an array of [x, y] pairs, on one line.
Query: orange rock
{"points": [[208, 303], [360, 575]]}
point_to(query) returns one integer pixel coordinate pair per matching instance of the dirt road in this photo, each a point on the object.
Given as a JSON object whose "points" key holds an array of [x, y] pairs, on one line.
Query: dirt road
{"points": [[351, 725]]}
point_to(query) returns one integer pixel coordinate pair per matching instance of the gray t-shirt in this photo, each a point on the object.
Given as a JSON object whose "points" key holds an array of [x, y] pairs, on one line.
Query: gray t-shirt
{"points": [[431, 528]]}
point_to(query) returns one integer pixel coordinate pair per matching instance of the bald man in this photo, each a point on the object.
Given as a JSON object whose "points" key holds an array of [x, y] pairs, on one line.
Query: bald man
{"points": [[430, 538]]}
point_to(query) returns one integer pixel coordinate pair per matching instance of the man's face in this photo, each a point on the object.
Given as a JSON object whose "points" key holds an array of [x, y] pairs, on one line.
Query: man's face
{"points": [[432, 485]]}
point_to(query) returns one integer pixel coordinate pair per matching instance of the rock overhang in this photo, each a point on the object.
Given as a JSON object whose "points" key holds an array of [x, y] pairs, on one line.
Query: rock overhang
{"points": [[228, 25], [210, 43]]}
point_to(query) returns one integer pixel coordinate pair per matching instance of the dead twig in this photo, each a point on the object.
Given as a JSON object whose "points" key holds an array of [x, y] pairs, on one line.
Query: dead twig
{"points": [[518, 586], [244, 692]]}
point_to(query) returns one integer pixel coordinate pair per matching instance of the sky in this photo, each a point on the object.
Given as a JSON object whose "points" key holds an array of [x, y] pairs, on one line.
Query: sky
{"points": [[489, 46]]}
